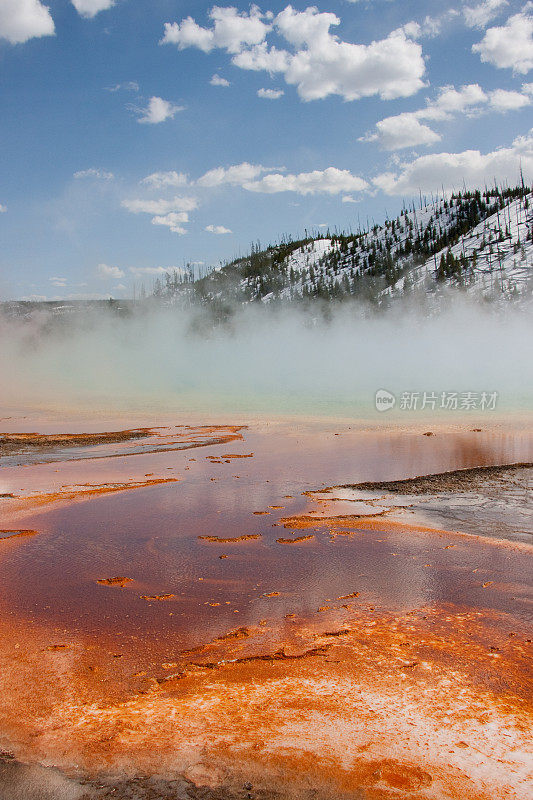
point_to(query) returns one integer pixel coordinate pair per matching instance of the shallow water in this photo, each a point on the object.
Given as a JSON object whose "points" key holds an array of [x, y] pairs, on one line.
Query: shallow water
{"points": [[153, 535]]}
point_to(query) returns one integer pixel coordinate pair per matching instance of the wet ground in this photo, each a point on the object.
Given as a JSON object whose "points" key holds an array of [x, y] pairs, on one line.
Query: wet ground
{"points": [[483, 501], [214, 607]]}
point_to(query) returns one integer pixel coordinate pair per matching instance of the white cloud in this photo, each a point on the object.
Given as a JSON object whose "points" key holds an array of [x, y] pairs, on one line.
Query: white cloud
{"points": [[306, 28], [218, 229], [503, 100], [21, 20], [89, 8], [218, 80], [270, 94], [160, 180], [231, 31], [270, 180], [58, 282], [469, 167], [432, 26], [154, 271], [252, 177], [392, 67], [158, 110], [511, 45], [328, 181], [348, 199], [406, 130], [160, 206], [3, 209], [262, 57], [453, 101], [403, 130], [236, 175], [321, 63], [479, 16], [98, 174], [171, 214], [173, 221], [106, 272]]}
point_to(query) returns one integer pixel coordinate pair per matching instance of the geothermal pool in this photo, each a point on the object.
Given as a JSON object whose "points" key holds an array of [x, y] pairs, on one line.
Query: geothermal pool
{"points": [[220, 609]]}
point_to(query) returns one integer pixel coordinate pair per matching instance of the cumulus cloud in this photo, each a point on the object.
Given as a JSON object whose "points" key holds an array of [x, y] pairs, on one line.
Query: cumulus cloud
{"points": [[218, 229], [270, 94], [173, 221], [267, 180], [58, 281], [406, 130], [391, 68], [304, 28], [402, 130], [469, 167], [171, 214], [21, 20], [158, 110], [161, 206], [98, 174], [262, 57], [236, 175], [89, 8], [504, 100], [161, 180], [432, 26], [3, 209], [218, 80], [480, 15], [510, 46], [252, 177], [454, 101], [106, 272], [328, 181], [319, 64], [230, 31]]}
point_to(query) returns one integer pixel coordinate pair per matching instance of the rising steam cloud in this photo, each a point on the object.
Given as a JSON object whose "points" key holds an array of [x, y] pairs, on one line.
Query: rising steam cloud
{"points": [[266, 361]]}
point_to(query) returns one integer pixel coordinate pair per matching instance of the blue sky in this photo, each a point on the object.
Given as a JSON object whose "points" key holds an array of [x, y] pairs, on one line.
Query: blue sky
{"points": [[137, 135]]}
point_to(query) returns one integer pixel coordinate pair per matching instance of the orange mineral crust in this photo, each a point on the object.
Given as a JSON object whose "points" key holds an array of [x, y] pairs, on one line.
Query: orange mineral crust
{"points": [[426, 705]]}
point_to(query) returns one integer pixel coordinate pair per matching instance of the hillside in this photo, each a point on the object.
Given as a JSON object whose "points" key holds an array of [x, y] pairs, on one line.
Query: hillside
{"points": [[479, 241]]}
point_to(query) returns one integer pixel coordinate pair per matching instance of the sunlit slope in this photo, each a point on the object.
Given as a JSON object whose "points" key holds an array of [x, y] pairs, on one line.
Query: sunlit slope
{"points": [[479, 241]]}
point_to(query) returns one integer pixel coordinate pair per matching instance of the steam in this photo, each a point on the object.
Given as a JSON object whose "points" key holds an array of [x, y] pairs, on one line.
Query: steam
{"points": [[265, 361]]}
